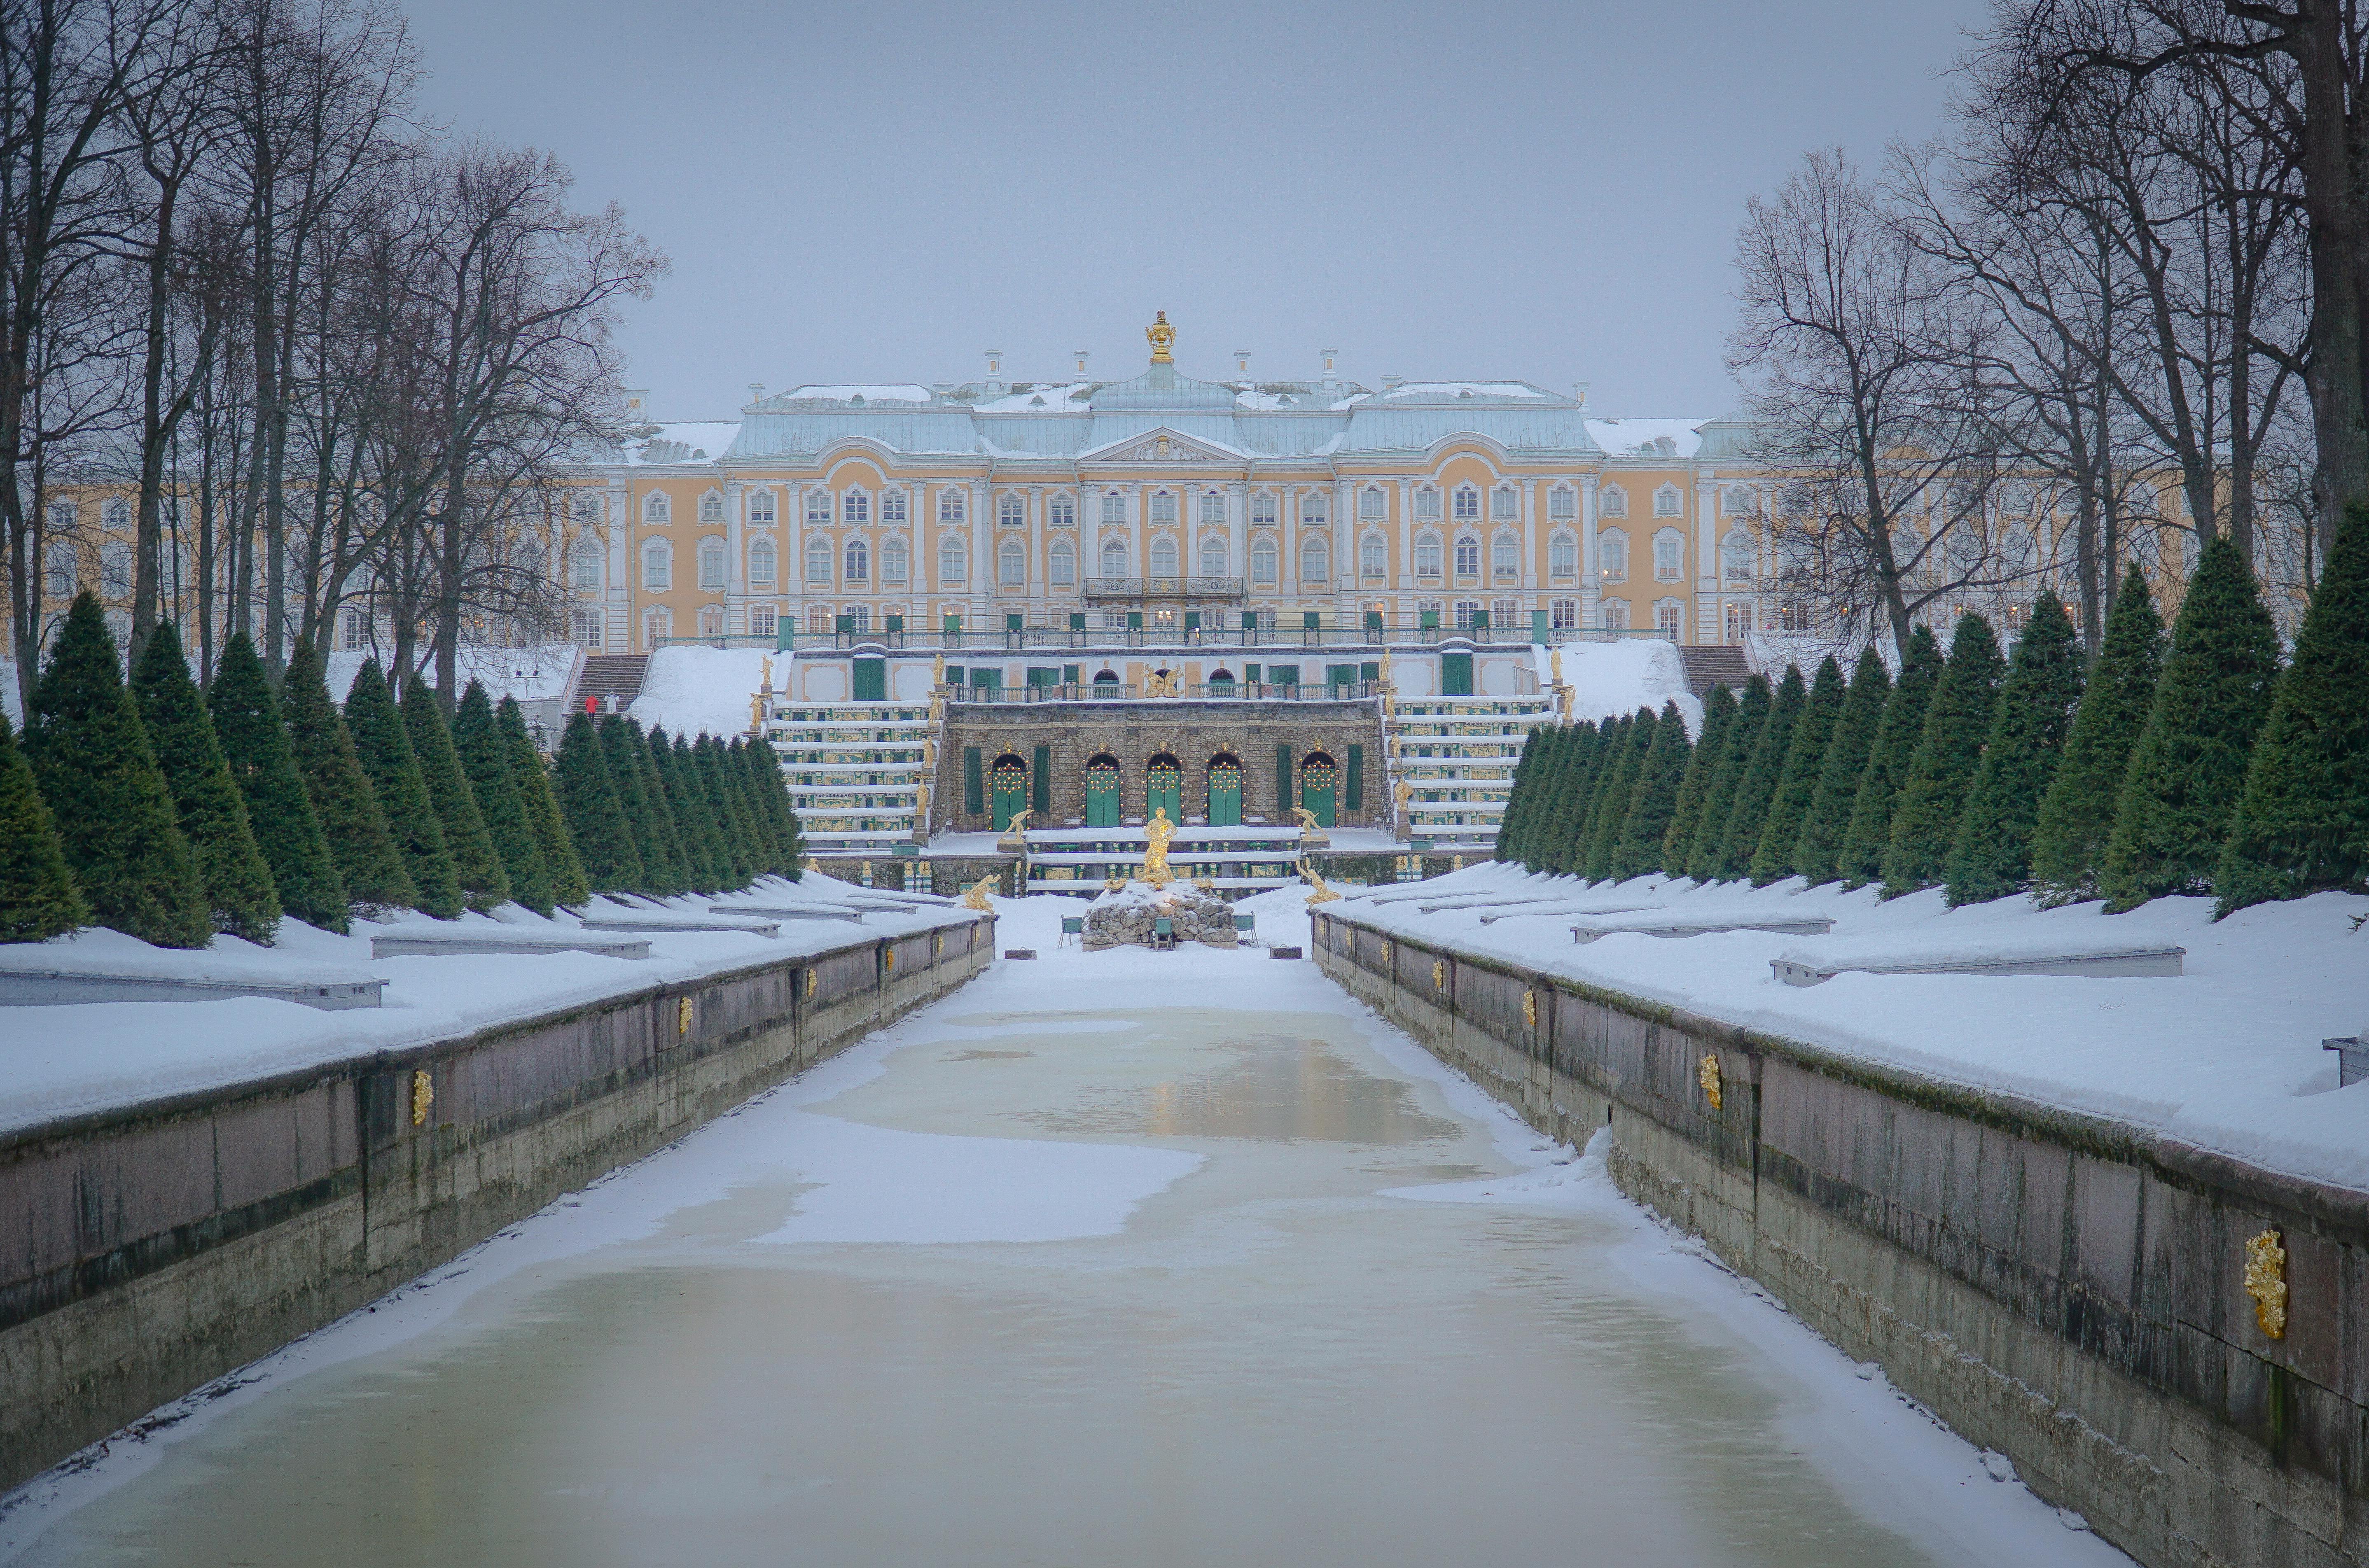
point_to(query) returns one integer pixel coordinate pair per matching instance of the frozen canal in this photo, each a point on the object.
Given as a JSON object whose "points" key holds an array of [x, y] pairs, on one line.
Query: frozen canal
{"points": [[1109, 1259]]}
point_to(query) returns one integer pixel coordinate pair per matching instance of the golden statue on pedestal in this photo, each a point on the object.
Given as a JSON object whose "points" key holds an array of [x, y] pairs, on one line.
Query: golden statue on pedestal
{"points": [[976, 898], [1318, 893], [1156, 834], [1159, 335]]}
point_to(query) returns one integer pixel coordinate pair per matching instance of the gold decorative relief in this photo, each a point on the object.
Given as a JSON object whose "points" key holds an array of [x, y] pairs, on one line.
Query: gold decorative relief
{"points": [[682, 1018], [1707, 1074], [1530, 1008], [2266, 1281], [814, 978], [889, 958], [1439, 974], [423, 1094]]}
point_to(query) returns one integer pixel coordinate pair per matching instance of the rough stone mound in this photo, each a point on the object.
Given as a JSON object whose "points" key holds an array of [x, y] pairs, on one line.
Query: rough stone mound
{"points": [[1124, 918]]}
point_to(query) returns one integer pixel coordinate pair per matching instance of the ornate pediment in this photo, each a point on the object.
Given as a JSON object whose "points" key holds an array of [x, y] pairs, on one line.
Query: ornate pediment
{"points": [[1161, 446]]}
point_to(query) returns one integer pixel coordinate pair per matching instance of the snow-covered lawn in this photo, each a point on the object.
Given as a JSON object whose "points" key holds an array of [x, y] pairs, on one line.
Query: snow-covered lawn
{"points": [[90, 1057], [2226, 1056]]}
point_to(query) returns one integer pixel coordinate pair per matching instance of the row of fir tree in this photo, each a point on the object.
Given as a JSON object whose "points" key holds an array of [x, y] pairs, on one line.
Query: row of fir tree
{"points": [[168, 814], [2190, 765]]}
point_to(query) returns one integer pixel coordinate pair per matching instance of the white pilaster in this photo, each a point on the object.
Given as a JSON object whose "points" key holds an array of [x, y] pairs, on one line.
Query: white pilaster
{"points": [[1590, 580]]}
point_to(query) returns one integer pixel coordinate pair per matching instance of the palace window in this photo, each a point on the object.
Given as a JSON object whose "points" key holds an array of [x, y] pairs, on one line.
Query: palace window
{"points": [[588, 509], [1426, 555], [117, 513], [657, 567], [1668, 548], [1315, 561], [1163, 506], [896, 561], [953, 560], [1263, 561], [1062, 511], [1011, 511], [1612, 556], [1666, 617], [859, 618], [1563, 503], [1500, 504], [1164, 557], [950, 504], [589, 560], [656, 508], [1563, 614], [1562, 556], [1467, 503], [1064, 562], [1373, 556], [1739, 500], [587, 629], [1114, 508], [1505, 556], [818, 560], [761, 561], [1666, 501], [892, 506], [711, 566], [1213, 557], [711, 507], [1312, 508], [859, 561], [658, 624], [818, 506], [1614, 613], [1466, 609], [1426, 504], [1739, 620], [711, 619], [1468, 556], [761, 620], [114, 568], [1373, 506], [1505, 612], [857, 507], [1213, 506], [1736, 556], [1612, 501], [1012, 564], [1114, 557], [761, 506], [1263, 510]]}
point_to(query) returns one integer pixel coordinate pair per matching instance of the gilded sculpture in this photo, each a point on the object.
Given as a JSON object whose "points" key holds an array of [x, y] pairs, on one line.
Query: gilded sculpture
{"points": [[1160, 335], [1156, 834], [2266, 1282], [1707, 1074], [1318, 892], [975, 898]]}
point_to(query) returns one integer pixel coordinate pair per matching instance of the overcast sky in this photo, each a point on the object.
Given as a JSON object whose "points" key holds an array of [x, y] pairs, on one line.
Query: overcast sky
{"points": [[879, 192]]}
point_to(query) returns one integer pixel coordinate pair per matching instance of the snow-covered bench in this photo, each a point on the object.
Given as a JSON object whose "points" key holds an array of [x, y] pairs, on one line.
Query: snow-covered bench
{"points": [[1672, 922], [672, 920], [50, 973], [2064, 950], [2351, 1057], [1582, 906], [442, 941], [790, 911]]}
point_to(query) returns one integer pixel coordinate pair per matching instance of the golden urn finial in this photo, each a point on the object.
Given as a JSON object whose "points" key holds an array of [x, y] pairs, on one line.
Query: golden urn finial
{"points": [[1161, 335]]}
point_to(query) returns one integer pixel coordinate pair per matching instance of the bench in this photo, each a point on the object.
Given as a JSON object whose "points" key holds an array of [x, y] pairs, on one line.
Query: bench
{"points": [[790, 911], [2116, 955], [53, 974], [1662, 922], [672, 922], [439, 942], [2351, 1059]]}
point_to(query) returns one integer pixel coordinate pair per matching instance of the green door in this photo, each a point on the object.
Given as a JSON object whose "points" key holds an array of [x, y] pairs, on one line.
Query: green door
{"points": [[1283, 675], [1010, 778], [871, 679], [1318, 787], [1340, 675], [1163, 789], [1456, 675], [1102, 793], [1225, 792]]}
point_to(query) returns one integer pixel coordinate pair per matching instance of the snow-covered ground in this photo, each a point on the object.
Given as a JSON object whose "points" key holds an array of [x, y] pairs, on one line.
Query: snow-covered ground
{"points": [[89, 1056], [1614, 680], [688, 690], [530, 674], [2226, 1056]]}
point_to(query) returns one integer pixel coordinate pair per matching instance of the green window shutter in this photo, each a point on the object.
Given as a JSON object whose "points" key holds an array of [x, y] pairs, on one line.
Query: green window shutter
{"points": [[1251, 674], [1135, 620], [1456, 675], [1192, 619], [871, 679], [1016, 620], [953, 626], [1373, 620], [1340, 675], [1369, 671], [1250, 620], [987, 675], [1043, 675], [1356, 784], [1283, 779], [954, 674], [1076, 619], [1283, 674], [1040, 784], [1069, 675], [974, 784], [896, 624], [1307, 621]]}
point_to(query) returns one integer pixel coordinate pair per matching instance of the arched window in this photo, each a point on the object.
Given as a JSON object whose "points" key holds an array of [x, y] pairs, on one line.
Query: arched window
{"points": [[855, 507], [1500, 504], [859, 618], [1373, 505], [819, 505], [1737, 555], [1563, 503], [1612, 501], [1213, 557], [761, 561], [588, 509], [1213, 506], [1612, 556], [1373, 556], [1614, 613], [1504, 612], [1263, 561], [1114, 508], [1468, 556], [1163, 506], [711, 507], [1563, 614], [1012, 564], [818, 560], [1666, 617], [1465, 608], [1063, 559], [1666, 501], [1426, 555], [761, 620], [711, 566], [1114, 557], [761, 506], [1505, 556], [859, 561], [657, 567], [656, 508], [589, 558], [952, 560], [1312, 508], [894, 560], [1426, 504], [950, 504], [1739, 620], [1562, 556], [117, 513], [1011, 511], [115, 568], [1315, 561], [1263, 510], [1668, 549], [658, 624], [1467, 503], [1061, 511], [1164, 557]]}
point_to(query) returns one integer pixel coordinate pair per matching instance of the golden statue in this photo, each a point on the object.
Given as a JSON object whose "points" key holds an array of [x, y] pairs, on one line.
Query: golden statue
{"points": [[938, 671], [1307, 822], [1156, 834], [1318, 892], [1386, 667], [1161, 335], [1402, 791], [1556, 659], [1161, 684], [756, 713], [976, 898]]}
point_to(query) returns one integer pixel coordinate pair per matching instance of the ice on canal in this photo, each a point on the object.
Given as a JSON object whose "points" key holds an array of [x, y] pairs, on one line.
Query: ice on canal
{"points": [[1119, 1258]]}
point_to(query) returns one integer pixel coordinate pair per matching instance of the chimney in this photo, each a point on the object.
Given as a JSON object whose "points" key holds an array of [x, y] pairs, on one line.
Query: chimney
{"points": [[756, 391], [1579, 393], [1392, 382], [994, 373], [1332, 381], [1080, 355], [1242, 363], [637, 407]]}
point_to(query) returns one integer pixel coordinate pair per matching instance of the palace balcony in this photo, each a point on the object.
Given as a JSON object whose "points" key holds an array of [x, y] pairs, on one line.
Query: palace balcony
{"points": [[1098, 590]]}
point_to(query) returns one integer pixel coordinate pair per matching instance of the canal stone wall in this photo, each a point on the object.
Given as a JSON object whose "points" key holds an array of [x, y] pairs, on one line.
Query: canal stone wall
{"points": [[146, 1251], [2065, 1289]]}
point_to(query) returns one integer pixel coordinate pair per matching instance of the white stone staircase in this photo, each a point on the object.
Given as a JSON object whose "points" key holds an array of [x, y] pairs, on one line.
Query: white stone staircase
{"points": [[1457, 757], [854, 772]]}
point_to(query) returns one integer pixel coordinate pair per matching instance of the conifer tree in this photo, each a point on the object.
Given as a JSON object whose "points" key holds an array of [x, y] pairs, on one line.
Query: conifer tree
{"points": [[1702, 761], [1756, 783], [1992, 856], [739, 839], [670, 834], [476, 863], [1820, 845], [2077, 816], [2189, 768], [659, 877], [1860, 859], [38, 896], [587, 803], [1612, 748], [1560, 814], [206, 801], [1941, 770], [1639, 850], [568, 886], [1743, 736], [92, 763], [760, 821], [1526, 771], [2302, 822], [485, 760], [1612, 805], [773, 798], [702, 867], [383, 746], [1797, 781], [343, 803]]}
